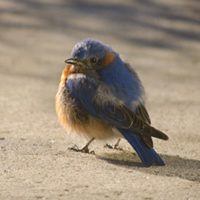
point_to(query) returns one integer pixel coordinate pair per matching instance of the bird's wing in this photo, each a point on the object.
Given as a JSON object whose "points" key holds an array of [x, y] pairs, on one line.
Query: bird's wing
{"points": [[97, 99], [140, 110], [142, 113]]}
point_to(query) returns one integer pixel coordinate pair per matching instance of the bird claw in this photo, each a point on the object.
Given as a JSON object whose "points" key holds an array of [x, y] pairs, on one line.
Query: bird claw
{"points": [[74, 148], [85, 149], [115, 147], [108, 146]]}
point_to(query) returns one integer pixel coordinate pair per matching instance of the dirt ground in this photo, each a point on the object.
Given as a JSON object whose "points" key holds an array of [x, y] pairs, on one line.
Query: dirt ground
{"points": [[161, 40]]}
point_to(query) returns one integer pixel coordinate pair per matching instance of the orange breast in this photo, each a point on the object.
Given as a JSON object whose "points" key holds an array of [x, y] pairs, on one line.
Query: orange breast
{"points": [[69, 69]]}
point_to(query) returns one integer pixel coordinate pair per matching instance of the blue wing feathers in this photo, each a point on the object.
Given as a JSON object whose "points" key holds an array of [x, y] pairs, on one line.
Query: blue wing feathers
{"points": [[84, 89], [119, 76]]}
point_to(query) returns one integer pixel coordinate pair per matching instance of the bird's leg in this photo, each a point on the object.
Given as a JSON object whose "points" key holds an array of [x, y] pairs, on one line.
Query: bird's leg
{"points": [[85, 149], [115, 146]]}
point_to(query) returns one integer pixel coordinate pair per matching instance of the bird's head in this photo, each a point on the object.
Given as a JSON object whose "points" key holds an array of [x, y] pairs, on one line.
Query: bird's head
{"points": [[91, 55]]}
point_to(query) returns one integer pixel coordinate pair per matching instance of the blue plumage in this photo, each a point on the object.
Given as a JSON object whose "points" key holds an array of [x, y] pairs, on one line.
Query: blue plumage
{"points": [[123, 81], [108, 90]]}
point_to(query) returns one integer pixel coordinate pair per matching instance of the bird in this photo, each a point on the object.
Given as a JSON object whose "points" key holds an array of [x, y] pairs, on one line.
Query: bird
{"points": [[100, 97]]}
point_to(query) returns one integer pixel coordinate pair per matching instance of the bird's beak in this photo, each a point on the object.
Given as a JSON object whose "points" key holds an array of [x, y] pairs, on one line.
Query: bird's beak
{"points": [[78, 63], [72, 61]]}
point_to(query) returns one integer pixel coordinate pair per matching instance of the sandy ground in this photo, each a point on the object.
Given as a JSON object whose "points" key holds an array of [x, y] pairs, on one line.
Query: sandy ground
{"points": [[161, 39]]}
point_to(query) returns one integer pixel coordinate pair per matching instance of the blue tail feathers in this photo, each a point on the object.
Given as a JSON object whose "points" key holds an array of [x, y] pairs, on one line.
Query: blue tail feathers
{"points": [[147, 155]]}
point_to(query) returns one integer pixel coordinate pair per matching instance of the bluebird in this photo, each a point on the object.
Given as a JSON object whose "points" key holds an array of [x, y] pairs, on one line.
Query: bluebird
{"points": [[100, 96]]}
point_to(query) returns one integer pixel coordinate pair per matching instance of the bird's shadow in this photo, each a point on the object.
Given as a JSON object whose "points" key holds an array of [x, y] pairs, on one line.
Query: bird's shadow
{"points": [[176, 166]]}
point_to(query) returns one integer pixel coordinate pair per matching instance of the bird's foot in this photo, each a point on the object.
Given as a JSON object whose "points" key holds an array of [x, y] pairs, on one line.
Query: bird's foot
{"points": [[85, 149], [115, 147]]}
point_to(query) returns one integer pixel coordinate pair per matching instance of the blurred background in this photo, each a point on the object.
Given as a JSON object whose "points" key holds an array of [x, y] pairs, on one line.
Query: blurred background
{"points": [[160, 39]]}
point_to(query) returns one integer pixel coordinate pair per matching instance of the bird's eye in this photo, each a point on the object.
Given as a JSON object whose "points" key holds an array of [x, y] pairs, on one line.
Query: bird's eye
{"points": [[93, 60]]}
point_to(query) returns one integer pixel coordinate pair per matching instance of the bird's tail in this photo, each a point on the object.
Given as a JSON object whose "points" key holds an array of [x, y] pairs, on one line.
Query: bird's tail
{"points": [[147, 155]]}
